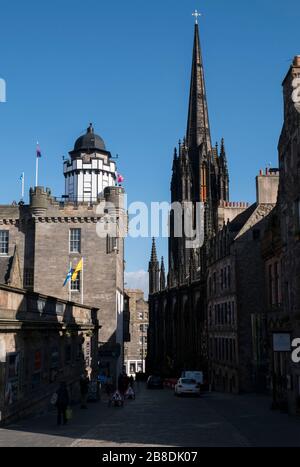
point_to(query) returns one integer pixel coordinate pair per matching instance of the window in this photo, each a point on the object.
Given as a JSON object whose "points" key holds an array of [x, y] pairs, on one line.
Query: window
{"points": [[75, 240], [140, 366], [132, 367], [232, 313], [75, 285], [226, 350], [141, 327], [143, 340], [141, 316], [4, 242], [28, 278], [111, 244]]}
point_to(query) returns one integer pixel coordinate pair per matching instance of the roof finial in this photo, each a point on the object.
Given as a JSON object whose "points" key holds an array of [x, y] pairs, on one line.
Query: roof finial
{"points": [[90, 128], [196, 15]]}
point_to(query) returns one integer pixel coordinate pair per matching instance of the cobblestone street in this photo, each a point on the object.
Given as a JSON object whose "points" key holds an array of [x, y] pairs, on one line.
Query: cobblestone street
{"points": [[157, 418]]}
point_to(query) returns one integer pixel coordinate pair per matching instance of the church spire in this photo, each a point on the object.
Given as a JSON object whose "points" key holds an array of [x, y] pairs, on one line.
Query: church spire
{"points": [[153, 252], [198, 130], [153, 270]]}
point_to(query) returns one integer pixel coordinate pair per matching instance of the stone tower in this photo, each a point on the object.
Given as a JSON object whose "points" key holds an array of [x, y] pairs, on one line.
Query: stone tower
{"points": [[89, 170], [200, 174]]}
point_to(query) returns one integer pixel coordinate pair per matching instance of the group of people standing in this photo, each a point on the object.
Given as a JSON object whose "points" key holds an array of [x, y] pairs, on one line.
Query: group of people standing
{"points": [[61, 399]]}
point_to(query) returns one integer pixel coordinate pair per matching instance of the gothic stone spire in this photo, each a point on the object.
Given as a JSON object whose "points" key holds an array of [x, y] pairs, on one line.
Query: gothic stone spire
{"points": [[153, 271], [198, 130]]}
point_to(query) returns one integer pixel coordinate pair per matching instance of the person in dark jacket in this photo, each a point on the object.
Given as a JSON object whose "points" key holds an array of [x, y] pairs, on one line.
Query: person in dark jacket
{"points": [[62, 403]]}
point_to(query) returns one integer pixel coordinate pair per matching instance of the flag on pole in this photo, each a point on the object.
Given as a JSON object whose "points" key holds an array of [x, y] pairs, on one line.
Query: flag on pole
{"points": [[77, 270], [22, 177], [38, 150], [68, 277], [120, 178]]}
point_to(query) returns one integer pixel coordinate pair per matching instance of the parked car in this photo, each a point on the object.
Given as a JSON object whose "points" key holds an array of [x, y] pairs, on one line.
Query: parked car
{"points": [[155, 382], [187, 386], [196, 375]]}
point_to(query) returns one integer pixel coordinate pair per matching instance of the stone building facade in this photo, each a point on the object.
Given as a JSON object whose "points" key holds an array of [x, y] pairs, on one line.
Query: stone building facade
{"points": [[135, 351], [235, 295], [41, 241], [282, 255], [43, 340]]}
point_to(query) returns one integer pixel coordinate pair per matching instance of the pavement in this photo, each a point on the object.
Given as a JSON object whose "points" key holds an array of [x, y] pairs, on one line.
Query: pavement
{"points": [[158, 419]]}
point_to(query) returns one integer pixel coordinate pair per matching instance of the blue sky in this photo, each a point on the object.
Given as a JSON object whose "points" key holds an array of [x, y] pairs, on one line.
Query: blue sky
{"points": [[125, 66]]}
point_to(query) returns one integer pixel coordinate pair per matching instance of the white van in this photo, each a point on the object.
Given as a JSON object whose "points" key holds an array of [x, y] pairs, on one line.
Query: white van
{"points": [[196, 375]]}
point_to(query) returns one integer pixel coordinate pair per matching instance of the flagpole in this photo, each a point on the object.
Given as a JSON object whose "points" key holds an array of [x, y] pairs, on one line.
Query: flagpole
{"points": [[82, 283], [23, 185], [36, 171], [70, 282]]}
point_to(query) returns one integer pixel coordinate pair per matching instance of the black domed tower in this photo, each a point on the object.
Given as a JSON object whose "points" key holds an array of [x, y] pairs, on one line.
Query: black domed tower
{"points": [[90, 168]]}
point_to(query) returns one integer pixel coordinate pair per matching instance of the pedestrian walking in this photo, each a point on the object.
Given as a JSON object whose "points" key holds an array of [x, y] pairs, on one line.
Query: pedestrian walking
{"points": [[62, 403], [84, 389], [131, 381]]}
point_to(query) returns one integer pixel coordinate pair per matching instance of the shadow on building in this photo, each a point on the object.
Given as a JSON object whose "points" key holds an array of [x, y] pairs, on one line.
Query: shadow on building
{"points": [[43, 341]]}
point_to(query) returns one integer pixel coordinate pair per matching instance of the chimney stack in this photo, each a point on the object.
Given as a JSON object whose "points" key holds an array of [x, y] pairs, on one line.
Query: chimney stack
{"points": [[267, 187]]}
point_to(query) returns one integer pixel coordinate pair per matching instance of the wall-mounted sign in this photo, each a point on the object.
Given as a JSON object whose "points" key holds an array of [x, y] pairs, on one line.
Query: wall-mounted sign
{"points": [[281, 342]]}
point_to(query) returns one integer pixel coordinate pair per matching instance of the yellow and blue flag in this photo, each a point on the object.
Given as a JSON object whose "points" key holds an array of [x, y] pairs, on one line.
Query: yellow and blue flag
{"points": [[69, 276], [77, 270]]}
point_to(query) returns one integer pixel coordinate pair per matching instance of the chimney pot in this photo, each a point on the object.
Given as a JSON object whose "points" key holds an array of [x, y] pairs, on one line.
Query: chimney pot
{"points": [[296, 61]]}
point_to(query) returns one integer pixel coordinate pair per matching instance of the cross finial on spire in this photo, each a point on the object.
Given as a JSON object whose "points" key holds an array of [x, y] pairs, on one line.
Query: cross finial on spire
{"points": [[196, 15]]}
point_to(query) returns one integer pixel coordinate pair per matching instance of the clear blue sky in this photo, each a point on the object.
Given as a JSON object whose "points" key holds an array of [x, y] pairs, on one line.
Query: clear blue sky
{"points": [[125, 66]]}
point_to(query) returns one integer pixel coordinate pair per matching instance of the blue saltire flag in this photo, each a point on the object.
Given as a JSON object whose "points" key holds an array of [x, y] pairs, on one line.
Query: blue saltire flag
{"points": [[69, 275], [38, 150]]}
